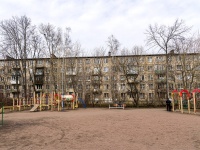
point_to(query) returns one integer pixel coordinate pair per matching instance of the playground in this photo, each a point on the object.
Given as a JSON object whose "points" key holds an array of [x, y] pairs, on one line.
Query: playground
{"points": [[100, 128]]}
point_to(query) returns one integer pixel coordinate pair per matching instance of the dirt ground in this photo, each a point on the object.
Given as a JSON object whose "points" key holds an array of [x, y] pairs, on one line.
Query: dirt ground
{"points": [[100, 129]]}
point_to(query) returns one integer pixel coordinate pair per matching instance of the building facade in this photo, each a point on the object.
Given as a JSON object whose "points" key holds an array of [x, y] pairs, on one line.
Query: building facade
{"points": [[132, 78]]}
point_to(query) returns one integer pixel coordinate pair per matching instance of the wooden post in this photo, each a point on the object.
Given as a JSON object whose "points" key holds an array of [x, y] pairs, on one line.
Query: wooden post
{"points": [[40, 101], [172, 103], [34, 97], [58, 103], [51, 101], [194, 102], [188, 105], [13, 104], [181, 105], [19, 104]]}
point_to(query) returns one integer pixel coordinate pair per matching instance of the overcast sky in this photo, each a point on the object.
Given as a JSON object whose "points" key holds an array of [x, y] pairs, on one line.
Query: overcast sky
{"points": [[93, 21]]}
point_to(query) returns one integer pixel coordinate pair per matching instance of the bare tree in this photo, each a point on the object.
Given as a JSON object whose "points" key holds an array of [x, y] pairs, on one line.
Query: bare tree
{"points": [[113, 45], [53, 42], [129, 68], [163, 37], [16, 33], [187, 62]]}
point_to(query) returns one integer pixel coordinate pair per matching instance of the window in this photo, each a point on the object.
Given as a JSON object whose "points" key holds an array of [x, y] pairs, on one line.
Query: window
{"points": [[150, 68], [113, 78], [79, 86], [180, 86], [142, 86], [123, 86], [96, 70], [7, 94], [80, 61], [87, 69], [141, 68], [47, 78], [142, 78], [159, 67], [96, 78], [151, 86], [150, 77], [114, 86], [87, 78], [178, 67], [123, 95], [105, 69], [106, 86], [80, 69], [106, 78], [39, 62], [179, 77], [105, 60], [87, 87], [149, 59], [8, 87], [87, 61], [97, 61], [159, 58], [122, 78], [142, 95], [151, 95], [47, 86], [106, 95]]}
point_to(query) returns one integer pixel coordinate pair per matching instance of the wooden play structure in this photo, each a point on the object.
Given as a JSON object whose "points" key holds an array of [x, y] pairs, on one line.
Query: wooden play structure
{"points": [[53, 101], [195, 92], [184, 96]]}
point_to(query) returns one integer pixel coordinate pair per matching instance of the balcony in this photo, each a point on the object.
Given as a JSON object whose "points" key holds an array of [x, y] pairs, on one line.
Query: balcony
{"points": [[14, 91], [70, 73], [132, 81], [161, 80], [38, 90], [39, 73], [97, 82], [97, 91], [162, 90], [39, 81], [160, 72], [14, 82], [132, 73], [95, 73]]}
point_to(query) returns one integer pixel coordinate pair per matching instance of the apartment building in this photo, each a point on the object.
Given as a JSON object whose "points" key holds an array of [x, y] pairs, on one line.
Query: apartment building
{"points": [[133, 78]]}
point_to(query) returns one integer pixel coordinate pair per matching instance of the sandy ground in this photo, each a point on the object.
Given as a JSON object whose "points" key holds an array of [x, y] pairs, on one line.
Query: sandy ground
{"points": [[100, 129]]}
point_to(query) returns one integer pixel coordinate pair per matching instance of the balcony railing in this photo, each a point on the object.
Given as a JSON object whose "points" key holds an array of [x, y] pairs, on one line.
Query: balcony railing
{"points": [[132, 73], [160, 71], [14, 82]]}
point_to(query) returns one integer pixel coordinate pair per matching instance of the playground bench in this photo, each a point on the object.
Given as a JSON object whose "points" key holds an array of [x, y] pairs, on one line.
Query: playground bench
{"points": [[116, 106], [8, 107]]}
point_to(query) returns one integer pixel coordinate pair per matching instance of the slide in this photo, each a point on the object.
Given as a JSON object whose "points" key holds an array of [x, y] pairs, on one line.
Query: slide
{"points": [[82, 101], [34, 107]]}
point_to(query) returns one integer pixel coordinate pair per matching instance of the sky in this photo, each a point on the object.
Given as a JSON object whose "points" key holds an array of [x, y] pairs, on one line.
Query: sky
{"points": [[93, 21]]}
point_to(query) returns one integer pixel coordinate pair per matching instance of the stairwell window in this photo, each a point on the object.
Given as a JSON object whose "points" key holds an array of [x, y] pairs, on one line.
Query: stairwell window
{"points": [[106, 95]]}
